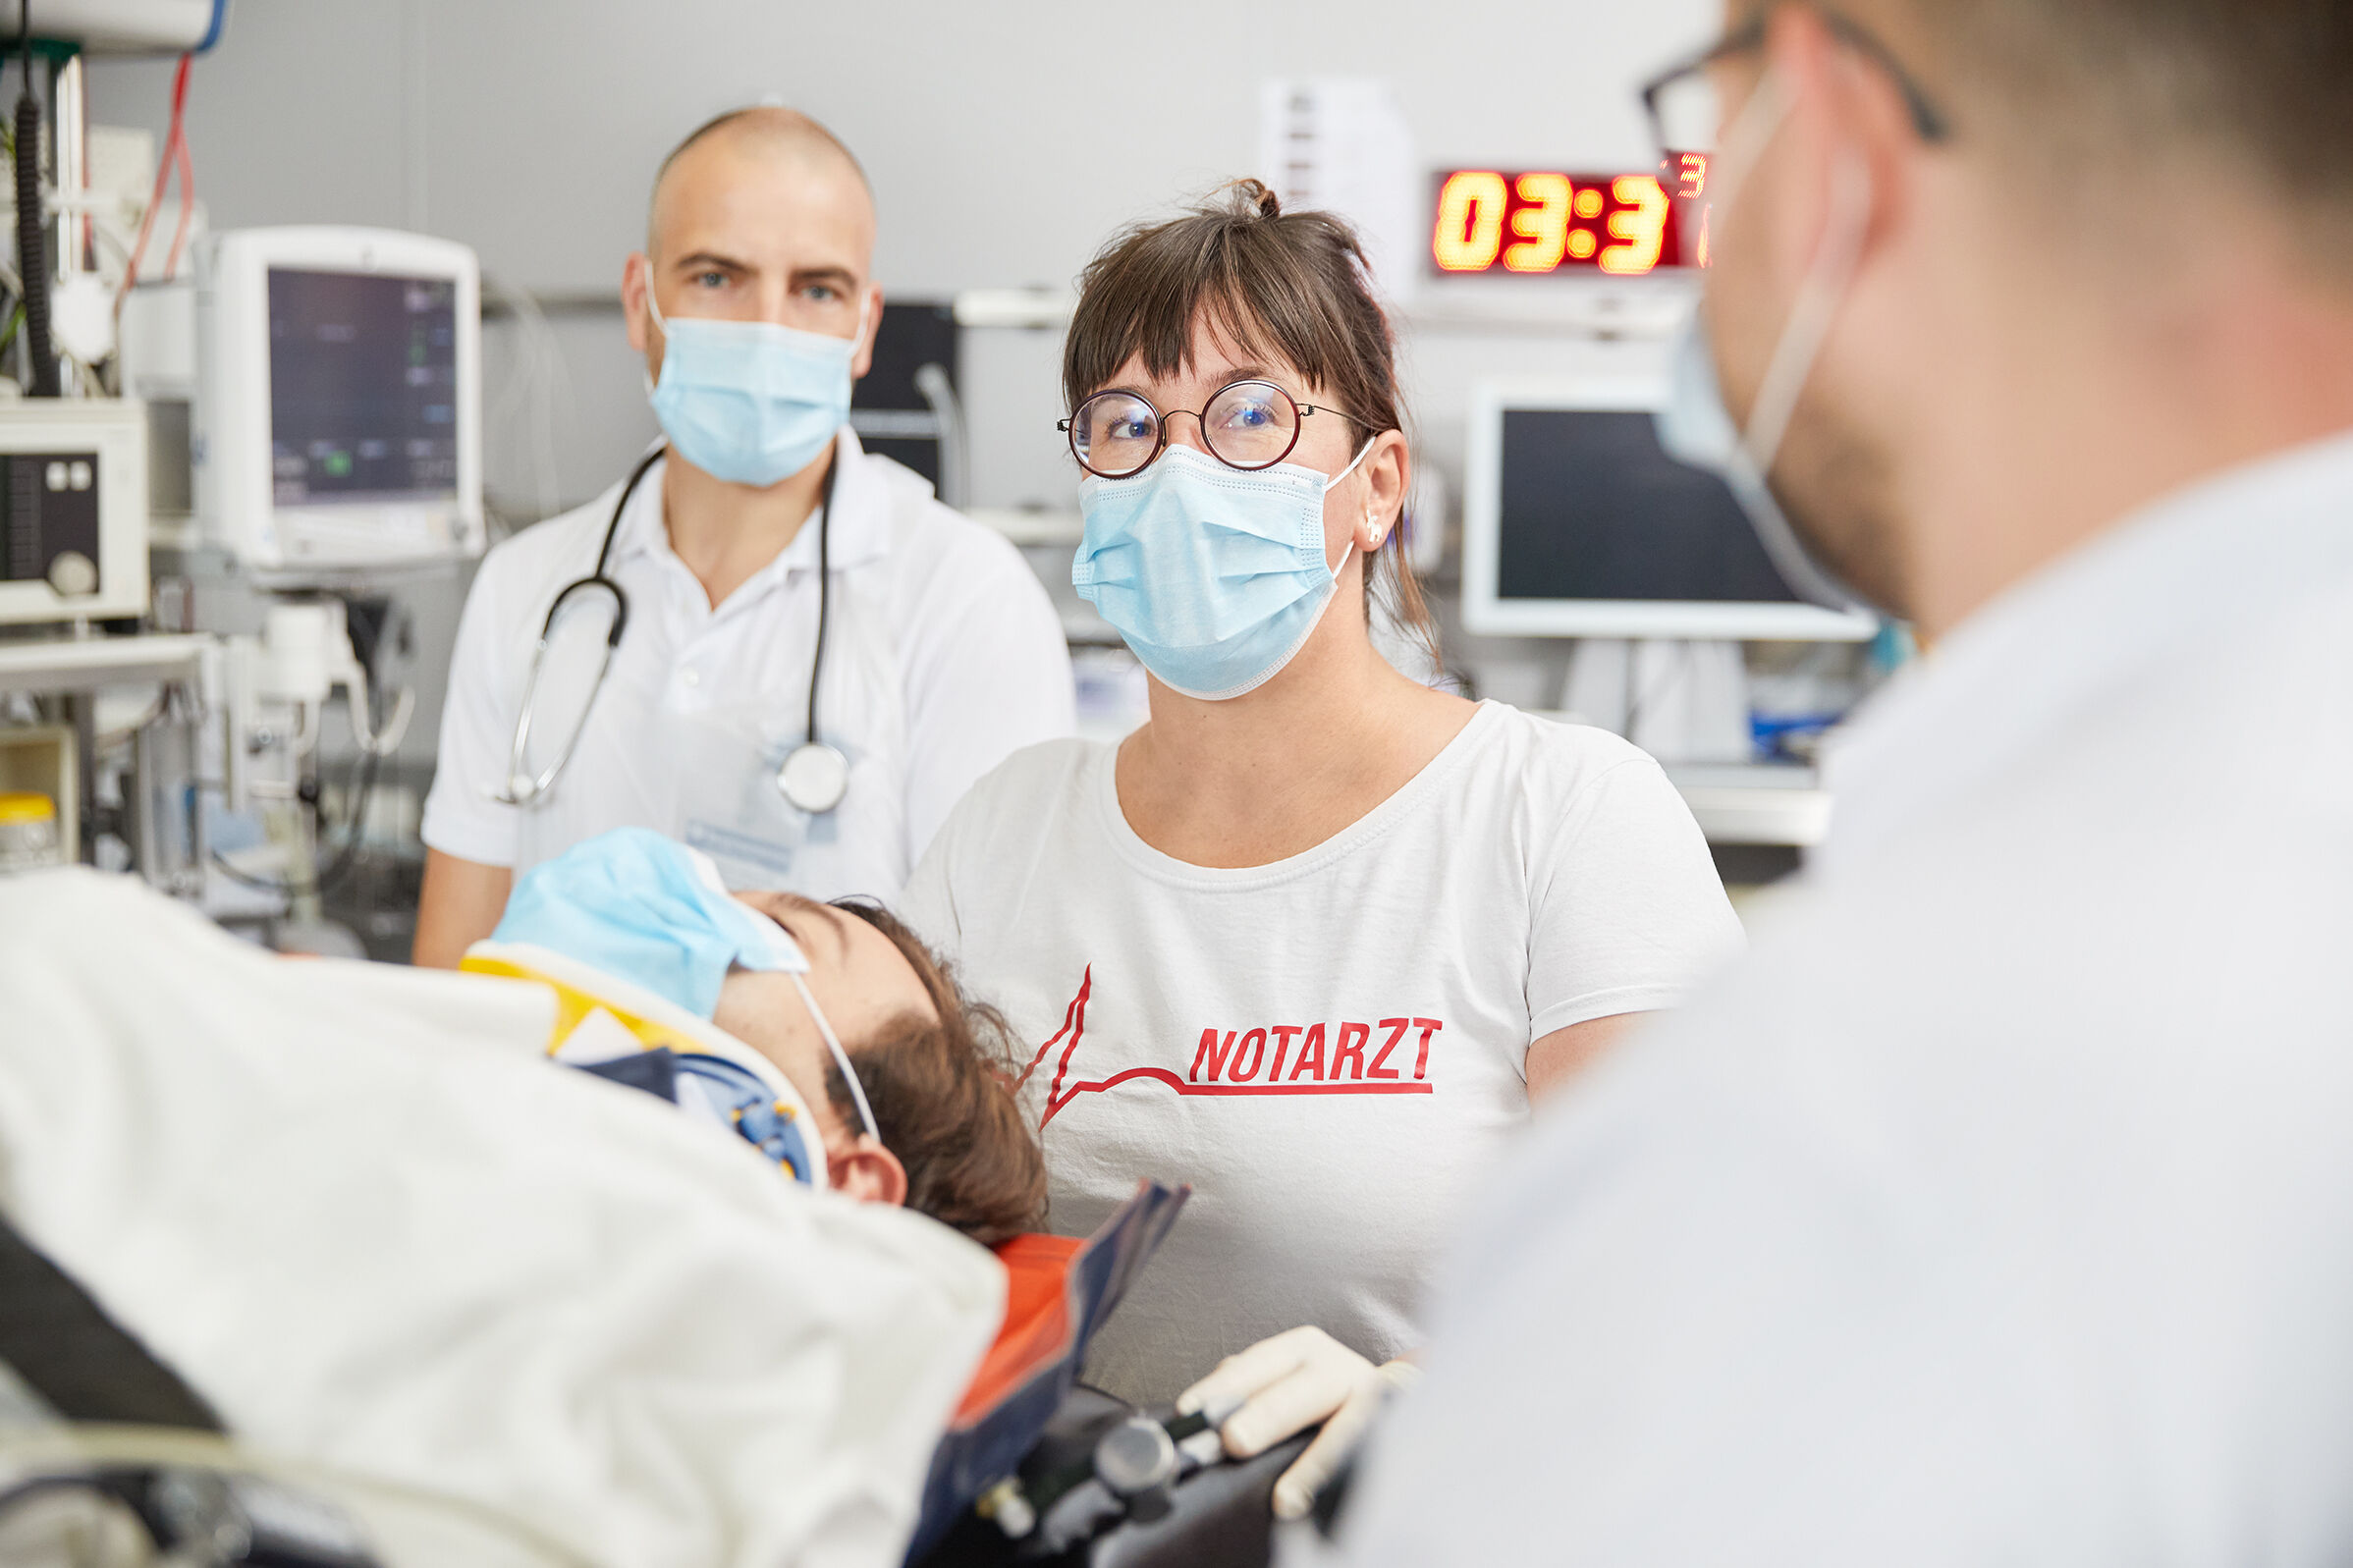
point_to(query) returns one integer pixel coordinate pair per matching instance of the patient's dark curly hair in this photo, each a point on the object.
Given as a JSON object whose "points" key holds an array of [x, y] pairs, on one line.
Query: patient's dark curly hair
{"points": [[943, 1100]]}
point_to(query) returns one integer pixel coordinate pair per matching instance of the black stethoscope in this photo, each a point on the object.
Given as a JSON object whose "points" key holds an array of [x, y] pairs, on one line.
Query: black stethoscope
{"points": [[814, 776]]}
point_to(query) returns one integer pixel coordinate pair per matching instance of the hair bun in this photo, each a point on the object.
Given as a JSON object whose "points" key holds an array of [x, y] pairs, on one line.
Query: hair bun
{"points": [[1254, 197]]}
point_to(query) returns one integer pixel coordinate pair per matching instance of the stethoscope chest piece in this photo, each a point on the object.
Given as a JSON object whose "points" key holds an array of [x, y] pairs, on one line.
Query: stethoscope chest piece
{"points": [[814, 777]]}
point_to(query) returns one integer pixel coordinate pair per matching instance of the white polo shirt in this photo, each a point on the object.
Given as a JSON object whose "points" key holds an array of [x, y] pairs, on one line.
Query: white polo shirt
{"points": [[943, 657], [1998, 1207]]}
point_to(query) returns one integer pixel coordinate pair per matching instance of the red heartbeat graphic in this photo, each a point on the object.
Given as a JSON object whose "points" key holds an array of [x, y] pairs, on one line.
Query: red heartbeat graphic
{"points": [[1163, 1075], [1074, 1025], [1073, 1030]]}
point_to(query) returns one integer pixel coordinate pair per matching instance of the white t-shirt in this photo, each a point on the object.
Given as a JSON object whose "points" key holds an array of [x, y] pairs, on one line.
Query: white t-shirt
{"points": [[1330, 1048], [942, 656], [1999, 1208]]}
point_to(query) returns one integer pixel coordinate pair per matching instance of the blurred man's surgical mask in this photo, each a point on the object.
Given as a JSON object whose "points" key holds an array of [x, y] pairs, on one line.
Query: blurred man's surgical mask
{"points": [[1695, 427]]}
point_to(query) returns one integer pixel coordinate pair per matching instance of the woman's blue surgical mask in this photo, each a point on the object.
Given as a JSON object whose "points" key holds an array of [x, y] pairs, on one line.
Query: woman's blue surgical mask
{"points": [[1695, 427], [646, 910], [750, 401], [1215, 576]]}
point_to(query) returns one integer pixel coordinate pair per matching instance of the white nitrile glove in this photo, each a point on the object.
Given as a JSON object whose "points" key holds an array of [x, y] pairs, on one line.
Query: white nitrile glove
{"points": [[1285, 1385]]}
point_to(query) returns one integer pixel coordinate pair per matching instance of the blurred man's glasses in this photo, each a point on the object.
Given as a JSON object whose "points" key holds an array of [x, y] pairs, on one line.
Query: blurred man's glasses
{"points": [[1245, 425], [1686, 110]]}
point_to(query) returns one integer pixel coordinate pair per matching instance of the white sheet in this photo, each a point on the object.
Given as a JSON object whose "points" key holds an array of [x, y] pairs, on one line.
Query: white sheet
{"points": [[356, 1209]]}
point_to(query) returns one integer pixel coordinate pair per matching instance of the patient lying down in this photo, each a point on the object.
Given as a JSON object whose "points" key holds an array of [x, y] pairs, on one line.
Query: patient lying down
{"points": [[905, 1103], [359, 1212]]}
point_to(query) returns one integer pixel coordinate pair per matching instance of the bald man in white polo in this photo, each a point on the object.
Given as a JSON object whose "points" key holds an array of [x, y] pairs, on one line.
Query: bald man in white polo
{"points": [[755, 307]]}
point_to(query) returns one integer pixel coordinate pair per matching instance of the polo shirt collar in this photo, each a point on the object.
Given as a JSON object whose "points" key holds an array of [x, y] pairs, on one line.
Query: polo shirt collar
{"points": [[2013, 679], [860, 531]]}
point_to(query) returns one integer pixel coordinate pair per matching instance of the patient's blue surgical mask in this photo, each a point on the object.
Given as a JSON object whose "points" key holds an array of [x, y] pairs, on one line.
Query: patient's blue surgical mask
{"points": [[1695, 427], [1215, 576], [750, 401], [645, 910]]}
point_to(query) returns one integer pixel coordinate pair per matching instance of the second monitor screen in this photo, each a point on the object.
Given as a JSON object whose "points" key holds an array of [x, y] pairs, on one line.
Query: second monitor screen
{"points": [[1592, 508], [364, 387]]}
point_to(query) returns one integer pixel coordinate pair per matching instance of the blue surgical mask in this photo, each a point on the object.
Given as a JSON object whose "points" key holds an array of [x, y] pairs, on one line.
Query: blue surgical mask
{"points": [[646, 910], [643, 908], [750, 401], [1696, 428], [1215, 576]]}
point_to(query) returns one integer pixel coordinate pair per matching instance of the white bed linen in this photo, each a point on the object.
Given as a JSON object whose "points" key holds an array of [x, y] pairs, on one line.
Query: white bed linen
{"points": [[357, 1211]]}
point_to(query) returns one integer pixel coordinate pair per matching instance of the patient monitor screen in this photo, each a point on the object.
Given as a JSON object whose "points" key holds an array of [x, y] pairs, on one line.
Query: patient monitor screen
{"points": [[1592, 508], [364, 387]]}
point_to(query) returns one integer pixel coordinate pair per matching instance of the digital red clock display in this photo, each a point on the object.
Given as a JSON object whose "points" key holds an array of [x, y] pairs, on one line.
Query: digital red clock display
{"points": [[1541, 222]]}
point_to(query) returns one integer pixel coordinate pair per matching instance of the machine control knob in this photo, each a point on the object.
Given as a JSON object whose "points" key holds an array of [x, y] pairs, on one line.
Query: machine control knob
{"points": [[74, 575], [1136, 1457]]}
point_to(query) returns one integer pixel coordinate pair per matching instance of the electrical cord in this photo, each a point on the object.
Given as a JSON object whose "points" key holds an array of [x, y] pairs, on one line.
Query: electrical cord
{"points": [[108, 739], [187, 166], [1640, 694], [164, 166], [12, 285], [32, 242], [322, 880], [531, 386]]}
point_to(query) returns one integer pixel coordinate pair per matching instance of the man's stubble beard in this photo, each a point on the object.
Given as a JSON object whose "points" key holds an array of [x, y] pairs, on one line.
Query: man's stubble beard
{"points": [[1837, 486]]}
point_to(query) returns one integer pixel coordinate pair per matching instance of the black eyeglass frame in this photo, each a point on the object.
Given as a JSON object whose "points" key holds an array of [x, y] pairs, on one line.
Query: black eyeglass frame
{"points": [[1930, 122], [1070, 426]]}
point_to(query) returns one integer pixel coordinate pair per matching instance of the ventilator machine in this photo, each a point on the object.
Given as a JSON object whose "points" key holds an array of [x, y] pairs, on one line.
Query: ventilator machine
{"points": [[218, 453]]}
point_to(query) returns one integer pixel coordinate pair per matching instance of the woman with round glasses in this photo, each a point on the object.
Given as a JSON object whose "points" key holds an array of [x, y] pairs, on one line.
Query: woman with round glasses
{"points": [[1312, 936]]}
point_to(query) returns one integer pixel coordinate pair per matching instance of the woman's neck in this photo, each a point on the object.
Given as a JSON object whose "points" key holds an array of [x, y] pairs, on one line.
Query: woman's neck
{"points": [[1270, 774]]}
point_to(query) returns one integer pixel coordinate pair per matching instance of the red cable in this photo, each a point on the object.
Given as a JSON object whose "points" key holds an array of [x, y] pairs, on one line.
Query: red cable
{"points": [[187, 210], [163, 175], [188, 172]]}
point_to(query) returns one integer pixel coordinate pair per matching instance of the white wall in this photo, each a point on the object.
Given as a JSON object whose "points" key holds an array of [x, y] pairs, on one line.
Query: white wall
{"points": [[1004, 138]]}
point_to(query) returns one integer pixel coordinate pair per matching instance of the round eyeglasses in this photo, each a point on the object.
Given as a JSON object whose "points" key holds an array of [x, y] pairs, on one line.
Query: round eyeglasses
{"points": [[1245, 425]]}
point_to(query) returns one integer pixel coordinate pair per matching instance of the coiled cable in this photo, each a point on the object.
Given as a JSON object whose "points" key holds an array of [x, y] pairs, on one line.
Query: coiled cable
{"points": [[32, 239]]}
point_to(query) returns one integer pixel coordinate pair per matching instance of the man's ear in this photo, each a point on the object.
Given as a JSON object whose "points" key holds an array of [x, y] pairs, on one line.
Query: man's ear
{"points": [[1842, 108], [868, 1171], [863, 361], [636, 277]]}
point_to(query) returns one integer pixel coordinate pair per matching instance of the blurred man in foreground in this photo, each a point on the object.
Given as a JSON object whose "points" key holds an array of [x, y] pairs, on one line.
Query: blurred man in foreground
{"points": [[1999, 1206]]}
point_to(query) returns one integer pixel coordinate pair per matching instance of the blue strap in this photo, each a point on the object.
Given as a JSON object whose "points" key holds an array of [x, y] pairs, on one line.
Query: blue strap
{"points": [[755, 1116], [655, 1071]]}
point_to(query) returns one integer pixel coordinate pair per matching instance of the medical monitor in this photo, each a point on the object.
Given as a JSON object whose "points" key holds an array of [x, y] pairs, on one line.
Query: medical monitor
{"points": [[338, 415], [1576, 523]]}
